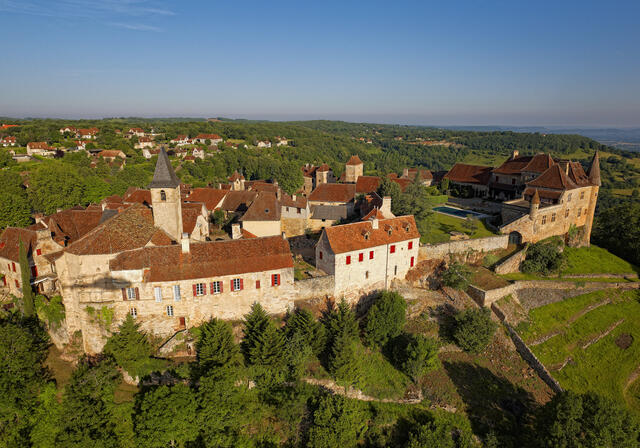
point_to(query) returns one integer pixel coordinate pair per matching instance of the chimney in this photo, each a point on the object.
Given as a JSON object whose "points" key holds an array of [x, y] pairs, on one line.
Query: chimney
{"points": [[405, 173], [374, 223], [515, 154], [386, 206], [236, 233], [185, 243], [278, 193], [284, 236]]}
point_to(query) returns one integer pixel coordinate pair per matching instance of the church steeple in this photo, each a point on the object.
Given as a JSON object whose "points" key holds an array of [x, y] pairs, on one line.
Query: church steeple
{"points": [[594, 170], [166, 200]]}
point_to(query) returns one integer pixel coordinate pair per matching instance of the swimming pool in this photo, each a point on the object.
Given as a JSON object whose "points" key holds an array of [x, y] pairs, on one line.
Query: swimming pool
{"points": [[459, 213]]}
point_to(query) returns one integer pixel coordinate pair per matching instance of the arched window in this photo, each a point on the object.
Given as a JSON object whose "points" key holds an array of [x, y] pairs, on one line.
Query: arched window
{"points": [[163, 195]]}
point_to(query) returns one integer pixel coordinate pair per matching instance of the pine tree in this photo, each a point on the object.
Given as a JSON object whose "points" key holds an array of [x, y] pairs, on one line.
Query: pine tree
{"points": [[129, 346], [385, 319], [301, 322], [27, 291], [344, 361], [216, 347], [254, 325], [340, 321]]}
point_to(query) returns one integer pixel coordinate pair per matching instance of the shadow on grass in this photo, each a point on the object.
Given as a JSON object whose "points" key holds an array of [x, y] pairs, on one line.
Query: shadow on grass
{"points": [[493, 403]]}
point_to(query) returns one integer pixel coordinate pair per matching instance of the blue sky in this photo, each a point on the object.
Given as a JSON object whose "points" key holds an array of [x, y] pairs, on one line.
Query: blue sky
{"points": [[475, 62]]}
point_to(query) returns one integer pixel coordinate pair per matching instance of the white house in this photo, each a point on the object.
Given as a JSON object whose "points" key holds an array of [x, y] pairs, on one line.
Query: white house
{"points": [[263, 144], [8, 141], [144, 142]]}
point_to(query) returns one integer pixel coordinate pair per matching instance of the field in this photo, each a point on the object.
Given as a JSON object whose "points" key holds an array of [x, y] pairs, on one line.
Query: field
{"points": [[595, 260], [591, 343], [440, 225]]}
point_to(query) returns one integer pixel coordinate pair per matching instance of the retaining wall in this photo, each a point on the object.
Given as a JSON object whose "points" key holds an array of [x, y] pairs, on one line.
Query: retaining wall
{"points": [[461, 246], [313, 288], [511, 264]]}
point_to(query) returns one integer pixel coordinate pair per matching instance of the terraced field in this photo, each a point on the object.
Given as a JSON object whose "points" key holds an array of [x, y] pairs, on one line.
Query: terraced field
{"points": [[591, 342]]}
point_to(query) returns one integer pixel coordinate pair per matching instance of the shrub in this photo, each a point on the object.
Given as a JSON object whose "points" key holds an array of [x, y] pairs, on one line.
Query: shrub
{"points": [[473, 329], [456, 276], [50, 310], [385, 319], [544, 257], [415, 354]]}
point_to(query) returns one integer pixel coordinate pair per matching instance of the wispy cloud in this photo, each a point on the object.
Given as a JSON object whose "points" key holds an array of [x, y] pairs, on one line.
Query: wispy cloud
{"points": [[110, 12], [136, 26]]}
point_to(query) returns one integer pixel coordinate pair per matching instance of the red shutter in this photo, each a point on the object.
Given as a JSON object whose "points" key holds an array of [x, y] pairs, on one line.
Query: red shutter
{"points": [[348, 259], [124, 293], [410, 245], [360, 256], [370, 255], [392, 249], [17, 284], [221, 283], [4, 281], [241, 285], [204, 289], [231, 285], [412, 261], [14, 267], [39, 252], [137, 294], [211, 290], [34, 271], [194, 290], [257, 284]]}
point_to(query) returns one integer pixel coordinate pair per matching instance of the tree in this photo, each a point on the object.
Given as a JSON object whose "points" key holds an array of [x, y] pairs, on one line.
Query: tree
{"points": [[46, 419], [586, 420], [544, 257], [130, 347], [385, 319], [439, 433], [415, 354], [344, 361], [336, 422], [473, 329], [28, 306], [166, 417], [617, 229], [53, 186], [456, 276], [254, 325], [14, 210], [340, 321], [301, 322], [215, 346]]}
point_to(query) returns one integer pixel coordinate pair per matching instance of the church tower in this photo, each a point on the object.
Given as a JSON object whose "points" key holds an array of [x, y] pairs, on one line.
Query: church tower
{"points": [[165, 198]]}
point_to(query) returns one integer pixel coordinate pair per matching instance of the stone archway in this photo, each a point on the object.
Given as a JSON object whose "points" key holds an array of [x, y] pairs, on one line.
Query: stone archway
{"points": [[515, 238]]}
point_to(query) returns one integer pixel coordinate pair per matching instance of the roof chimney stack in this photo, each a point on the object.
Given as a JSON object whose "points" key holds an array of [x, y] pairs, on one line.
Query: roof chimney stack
{"points": [[374, 223], [284, 236], [293, 197], [515, 154], [186, 246]]}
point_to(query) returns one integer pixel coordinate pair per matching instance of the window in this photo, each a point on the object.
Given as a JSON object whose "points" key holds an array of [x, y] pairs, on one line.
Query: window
{"points": [[38, 251], [513, 181], [395, 270], [410, 245], [13, 266], [370, 255], [360, 256], [566, 213], [236, 284], [176, 293], [348, 259], [497, 178], [582, 195], [157, 292], [287, 208], [366, 274], [131, 294], [569, 198], [133, 312], [299, 211], [170, 311], [163, 195], [275, 280], [553, 217], [216, 287], [585, 212], [392, 249], [257, 284], [199, 289], [412, 260], [17, 284], [321, 255], [544, 219], [579, 212]]}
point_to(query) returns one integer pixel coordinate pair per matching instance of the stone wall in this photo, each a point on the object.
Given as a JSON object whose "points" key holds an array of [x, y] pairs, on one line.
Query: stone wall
{"points": [[293, 226], [511, 264], [442, 250], [315, 287]]}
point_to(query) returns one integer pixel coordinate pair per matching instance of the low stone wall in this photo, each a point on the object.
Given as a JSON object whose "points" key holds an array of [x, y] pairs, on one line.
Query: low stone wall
{"points": [[511, 264], [441, 250], [316, 287]]}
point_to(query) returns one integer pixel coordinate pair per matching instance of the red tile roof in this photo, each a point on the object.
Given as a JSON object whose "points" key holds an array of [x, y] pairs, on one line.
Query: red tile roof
{"points": [[10, 242], [207, 259], [129, 229], [190, 213], [211, 197], [514, 165], [539, 163], [112, 153], [333, 193], [259, 185], [374, 213], [40, 145], [554, 178], [265, 207], [424, 174], [354, 160], [68, 226], [208, 136], [324, 167], [469, 174], [287, 201], [238, 201], [404, 183], [362, 235], [577, 174], [367, 184], [236, 176]]}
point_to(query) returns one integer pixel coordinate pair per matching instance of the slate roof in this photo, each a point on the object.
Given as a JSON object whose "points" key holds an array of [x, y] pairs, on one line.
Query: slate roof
{"points": [[333, 193], [362, 235], [328, 212], [207, 259], [164, 176], [594, 170]]}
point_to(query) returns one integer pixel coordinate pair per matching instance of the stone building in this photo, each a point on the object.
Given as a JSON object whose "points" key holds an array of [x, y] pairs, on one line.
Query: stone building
{"points": [[425, 176], [561, 198], [330, 203], [368, 255], [353, 169], [166, 198]]}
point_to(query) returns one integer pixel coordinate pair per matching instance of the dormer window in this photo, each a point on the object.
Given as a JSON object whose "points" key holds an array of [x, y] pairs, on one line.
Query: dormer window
{"points": [[366, 234], [163, 195]]}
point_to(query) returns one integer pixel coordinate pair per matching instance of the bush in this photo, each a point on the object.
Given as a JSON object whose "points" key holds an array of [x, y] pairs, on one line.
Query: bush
{"points": [[415, 354], [457, 276], [473, 329], [544, 257], [385, 319]]}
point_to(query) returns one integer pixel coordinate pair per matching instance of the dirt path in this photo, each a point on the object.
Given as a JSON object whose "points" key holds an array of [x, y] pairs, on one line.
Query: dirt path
{"points": [[601, 335]]}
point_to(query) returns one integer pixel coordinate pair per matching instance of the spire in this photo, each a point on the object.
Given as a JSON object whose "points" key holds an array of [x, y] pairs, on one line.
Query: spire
{"points": [[594, 170], [164, 176], [536, 197]]}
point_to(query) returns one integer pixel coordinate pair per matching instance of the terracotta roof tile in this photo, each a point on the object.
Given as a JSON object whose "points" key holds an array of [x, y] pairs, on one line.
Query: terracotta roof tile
{"points": [[190, 213], [140, 196], [211, 197], [207, 259], [513, 165], [424, 174], [67, 226], [539, 163], [354, 160], [469, 174], [287, 201], [554, 178], [367, 184], [10, 242], [238, 201], [333, 193], [362, 235], [265, 207]]}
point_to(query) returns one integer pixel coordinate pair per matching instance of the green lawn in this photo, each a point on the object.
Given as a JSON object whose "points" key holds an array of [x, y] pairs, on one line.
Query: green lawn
{"points": [[440, 225], [595, 260], [602, 367], [522, 276]]}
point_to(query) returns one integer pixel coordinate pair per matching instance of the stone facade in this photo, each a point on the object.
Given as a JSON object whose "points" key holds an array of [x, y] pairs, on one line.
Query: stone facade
{"points": [[442, 250]]}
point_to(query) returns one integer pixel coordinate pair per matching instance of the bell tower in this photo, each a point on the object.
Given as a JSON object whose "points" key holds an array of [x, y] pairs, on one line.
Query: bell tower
{"points": [[165, 198]]}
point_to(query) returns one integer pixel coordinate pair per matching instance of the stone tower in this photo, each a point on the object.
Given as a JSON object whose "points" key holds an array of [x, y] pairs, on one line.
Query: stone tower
{"points": [[353, 169], [595, 181], [534, 206], [165, 198]]}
